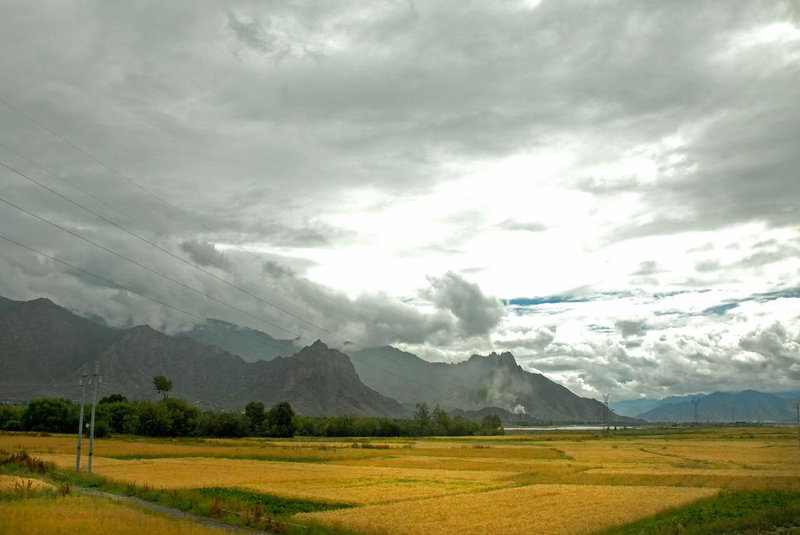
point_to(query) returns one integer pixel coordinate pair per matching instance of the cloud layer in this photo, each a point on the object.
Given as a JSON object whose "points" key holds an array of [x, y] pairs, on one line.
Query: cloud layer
{"points": [[623, 175]]}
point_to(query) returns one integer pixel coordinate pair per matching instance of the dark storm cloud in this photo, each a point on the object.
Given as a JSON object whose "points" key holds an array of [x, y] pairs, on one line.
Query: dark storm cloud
{"points": [[399, 87], [477, 314], [205, 254], [260, 120]]}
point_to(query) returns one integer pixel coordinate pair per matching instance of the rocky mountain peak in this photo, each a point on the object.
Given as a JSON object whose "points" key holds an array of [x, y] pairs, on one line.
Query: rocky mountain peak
{"points": [[502, 360]]}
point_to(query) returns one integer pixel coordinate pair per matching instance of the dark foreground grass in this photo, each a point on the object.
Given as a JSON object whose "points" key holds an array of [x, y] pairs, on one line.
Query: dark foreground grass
{"points": [[232, 506], [736, 512]]}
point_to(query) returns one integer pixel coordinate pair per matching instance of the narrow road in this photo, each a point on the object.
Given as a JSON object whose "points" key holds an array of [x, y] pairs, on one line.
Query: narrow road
{"points": [[172, 511]]}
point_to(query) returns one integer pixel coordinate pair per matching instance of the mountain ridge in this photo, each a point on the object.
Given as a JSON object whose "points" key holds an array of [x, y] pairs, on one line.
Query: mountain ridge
{"points": [[44, 347], [493, 380]]}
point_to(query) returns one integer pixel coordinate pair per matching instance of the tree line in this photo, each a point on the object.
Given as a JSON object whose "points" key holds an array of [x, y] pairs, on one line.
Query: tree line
{"points": [[174, 417]]}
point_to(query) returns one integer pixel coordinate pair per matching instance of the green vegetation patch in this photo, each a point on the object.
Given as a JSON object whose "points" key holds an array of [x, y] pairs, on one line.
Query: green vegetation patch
{"points": [[275, 505], [267, 458], [730, 512]]}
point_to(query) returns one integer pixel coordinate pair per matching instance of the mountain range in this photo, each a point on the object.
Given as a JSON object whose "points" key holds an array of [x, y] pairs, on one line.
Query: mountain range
{"points": [[43, 348], [745, 406], [470, 387]]}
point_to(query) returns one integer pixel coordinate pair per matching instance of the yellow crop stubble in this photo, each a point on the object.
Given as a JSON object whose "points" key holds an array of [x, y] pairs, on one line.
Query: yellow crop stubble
{"points": [[321, 482], [14, 483], [552, 509], [79, 515]]}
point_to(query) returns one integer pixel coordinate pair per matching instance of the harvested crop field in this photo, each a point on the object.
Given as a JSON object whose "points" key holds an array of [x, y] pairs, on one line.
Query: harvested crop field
{"points": [[16, 484], [79, 515], [566, 482], [323, 482], [552, 509]]}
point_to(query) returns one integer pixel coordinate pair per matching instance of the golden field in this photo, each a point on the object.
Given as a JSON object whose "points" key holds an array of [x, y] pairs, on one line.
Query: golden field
{"points": [[546, 483], [15, 484], [551, 509], [79, 515]]}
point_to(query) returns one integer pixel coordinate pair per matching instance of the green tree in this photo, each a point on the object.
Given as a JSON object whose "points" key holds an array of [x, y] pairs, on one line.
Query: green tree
{"points": [[113, 398], [121, 416], [492, 424], [183, 417], [10, 418], [280, 420], [422, 415], [154, 420], [162, 385], [441, 421], [254, 411], [222, 424], [50, 414]]}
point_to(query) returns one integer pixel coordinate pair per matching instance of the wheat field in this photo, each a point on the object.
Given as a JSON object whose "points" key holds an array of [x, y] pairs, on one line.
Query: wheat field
{"points": [[551, 509], [79, 515], [546, 483], [15, 484]]}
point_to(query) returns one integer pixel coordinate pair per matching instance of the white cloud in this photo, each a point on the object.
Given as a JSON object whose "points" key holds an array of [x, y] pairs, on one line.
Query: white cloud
{"points": [[331, 158]]}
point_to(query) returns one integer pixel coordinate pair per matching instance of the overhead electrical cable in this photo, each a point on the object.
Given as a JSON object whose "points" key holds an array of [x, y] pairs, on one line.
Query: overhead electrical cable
{"points": [[186, 215], [179, 309]]}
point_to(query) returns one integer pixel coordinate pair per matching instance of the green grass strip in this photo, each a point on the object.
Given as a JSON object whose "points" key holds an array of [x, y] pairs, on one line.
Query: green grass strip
{"points": [[729, 512], [276, 505]]}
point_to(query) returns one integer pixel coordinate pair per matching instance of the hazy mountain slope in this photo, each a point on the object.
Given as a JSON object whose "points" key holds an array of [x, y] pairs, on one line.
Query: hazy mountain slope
{"points": [[634, 407], [494, 380], [320, 381], [43, 346], [250, 344], [7, 304], [750, 406]]}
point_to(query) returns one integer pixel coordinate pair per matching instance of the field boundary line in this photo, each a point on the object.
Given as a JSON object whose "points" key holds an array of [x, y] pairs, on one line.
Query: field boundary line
{"points": [[171, 511]]}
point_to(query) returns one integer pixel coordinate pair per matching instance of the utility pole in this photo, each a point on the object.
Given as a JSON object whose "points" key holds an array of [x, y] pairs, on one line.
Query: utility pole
{"points": [[797, 406], [695, 403], [605, 413], [82, 382], [96, 379]]}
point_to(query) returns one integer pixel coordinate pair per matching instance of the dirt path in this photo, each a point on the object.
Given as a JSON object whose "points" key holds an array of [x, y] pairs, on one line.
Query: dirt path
{"points": [[172, 512]]}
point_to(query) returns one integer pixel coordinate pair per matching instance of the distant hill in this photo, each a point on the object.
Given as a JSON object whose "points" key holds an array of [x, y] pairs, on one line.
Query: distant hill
{"points": [[635, 407], [43, 348], [479, 382], [747, 406], [250, 344]]}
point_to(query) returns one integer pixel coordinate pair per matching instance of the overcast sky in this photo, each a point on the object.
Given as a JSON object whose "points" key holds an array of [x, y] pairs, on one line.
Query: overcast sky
{"points": [[609, 190]]}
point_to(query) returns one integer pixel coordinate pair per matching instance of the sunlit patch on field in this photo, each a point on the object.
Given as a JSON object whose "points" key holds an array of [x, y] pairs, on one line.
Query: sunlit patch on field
{"points": [[79, 515], [552, 509]]}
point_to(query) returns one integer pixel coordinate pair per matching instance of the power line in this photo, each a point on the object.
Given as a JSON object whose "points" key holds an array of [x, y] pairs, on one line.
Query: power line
{"points": [[172, 255], [113, 283], [101, 201], [177, 209], [165, 251], [178, 309], [151, 270], [298, 335], [187, 216]]}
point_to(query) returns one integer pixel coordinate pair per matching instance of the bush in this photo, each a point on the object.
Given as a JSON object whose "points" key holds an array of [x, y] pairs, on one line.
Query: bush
{"points": [[50, 414], [10, 418], [154, 420]]}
